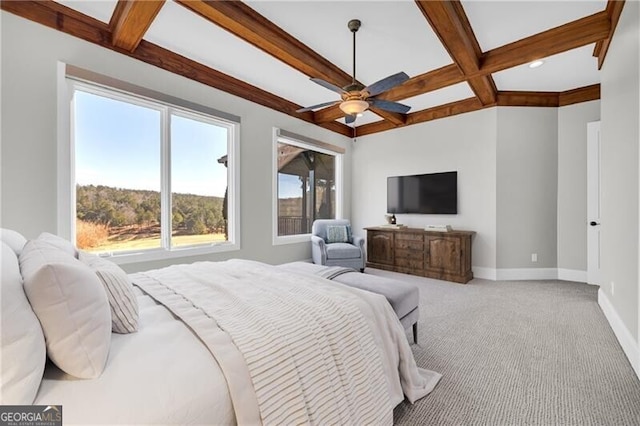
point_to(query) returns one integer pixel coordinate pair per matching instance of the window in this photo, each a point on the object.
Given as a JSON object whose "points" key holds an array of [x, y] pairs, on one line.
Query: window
{"points": [[151, 179], [307, 183]]}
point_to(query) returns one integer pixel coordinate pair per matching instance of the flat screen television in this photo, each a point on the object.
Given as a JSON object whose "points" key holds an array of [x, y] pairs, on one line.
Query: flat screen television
{"points": [[434, 193]]}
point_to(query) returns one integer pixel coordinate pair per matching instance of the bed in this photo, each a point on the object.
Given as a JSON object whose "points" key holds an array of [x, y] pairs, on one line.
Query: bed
{"points": [[234, 342]]}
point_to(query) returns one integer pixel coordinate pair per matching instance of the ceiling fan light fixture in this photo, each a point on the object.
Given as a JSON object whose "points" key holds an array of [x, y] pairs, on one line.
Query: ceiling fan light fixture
{"points": [[354, 106]]}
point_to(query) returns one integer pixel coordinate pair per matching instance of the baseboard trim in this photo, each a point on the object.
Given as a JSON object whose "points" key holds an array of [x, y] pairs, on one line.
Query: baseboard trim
{"points": [[572, 275], [520, 274], [484, 273], [527, 274], [628, 343]]}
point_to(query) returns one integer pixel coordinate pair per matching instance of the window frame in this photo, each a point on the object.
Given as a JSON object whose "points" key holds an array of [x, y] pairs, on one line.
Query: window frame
{"points": [[282, 136], [68, 84]]}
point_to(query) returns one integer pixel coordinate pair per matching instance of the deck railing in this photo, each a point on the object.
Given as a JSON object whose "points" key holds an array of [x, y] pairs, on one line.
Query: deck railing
{"points": [[293, 225]]}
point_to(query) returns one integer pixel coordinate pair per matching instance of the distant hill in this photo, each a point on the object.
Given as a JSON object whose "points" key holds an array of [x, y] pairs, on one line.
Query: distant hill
{"points": [[117, 207]]}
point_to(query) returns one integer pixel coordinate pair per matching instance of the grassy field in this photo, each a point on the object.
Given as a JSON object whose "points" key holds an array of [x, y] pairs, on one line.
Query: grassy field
{"points": [[154, 242]]}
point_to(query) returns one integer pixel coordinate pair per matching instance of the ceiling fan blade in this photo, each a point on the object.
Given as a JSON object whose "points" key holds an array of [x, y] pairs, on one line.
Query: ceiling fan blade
{"points": [[322, 105], [348, 119], [386, 83], [328, 85], [389, 106]]}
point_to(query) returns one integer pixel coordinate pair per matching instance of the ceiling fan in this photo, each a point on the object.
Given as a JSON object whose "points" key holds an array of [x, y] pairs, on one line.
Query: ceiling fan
{"points": [[356, 98]]}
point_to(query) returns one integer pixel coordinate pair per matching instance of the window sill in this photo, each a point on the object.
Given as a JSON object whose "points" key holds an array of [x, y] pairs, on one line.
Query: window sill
{"points": [[163, 254], [291, 239]]}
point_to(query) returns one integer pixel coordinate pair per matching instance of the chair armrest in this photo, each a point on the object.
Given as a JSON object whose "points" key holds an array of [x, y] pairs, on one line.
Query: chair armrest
{"points": [[358, 241], [315, 240], [318, 250]]}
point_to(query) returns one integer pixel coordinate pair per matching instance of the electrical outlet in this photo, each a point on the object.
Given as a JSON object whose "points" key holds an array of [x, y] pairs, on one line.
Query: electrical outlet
{"points": [[534, 257], [613, 288]]}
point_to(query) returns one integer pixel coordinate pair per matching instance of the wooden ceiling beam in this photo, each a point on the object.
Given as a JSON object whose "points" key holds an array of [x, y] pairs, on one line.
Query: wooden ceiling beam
{"points": [[447, 110], [57, 16], [326, 115], [130, 21], [582, 94], [394, 117], [450, 23], [556, 40], [528, 99], [247, 24], [504, 98], [424, 83], [613, 10], [442, 111]]}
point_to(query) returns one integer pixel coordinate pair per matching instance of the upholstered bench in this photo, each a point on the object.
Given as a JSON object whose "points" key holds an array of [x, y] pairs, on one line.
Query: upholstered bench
{"points": [[402, 297]]}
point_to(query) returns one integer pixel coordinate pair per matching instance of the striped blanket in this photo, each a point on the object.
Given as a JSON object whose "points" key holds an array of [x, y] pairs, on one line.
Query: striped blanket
{"points": [[293, 349]]}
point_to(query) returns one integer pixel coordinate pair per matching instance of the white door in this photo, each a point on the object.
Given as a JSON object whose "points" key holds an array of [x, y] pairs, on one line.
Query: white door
{"points": [[593, 203]]}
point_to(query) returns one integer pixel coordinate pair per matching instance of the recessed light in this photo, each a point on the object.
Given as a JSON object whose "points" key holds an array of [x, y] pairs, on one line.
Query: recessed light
{"points": [[536, 64]]}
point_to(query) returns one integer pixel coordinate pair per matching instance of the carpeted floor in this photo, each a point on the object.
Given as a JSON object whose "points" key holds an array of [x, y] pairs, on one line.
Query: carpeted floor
{"points": [[518, 353]]}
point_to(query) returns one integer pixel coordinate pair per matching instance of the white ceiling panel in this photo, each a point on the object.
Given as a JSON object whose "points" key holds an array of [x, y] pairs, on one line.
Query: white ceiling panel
{"points": [[394, 35], [98, 9], [443, 96], [184, 32], [496, 23], [565, 71]]}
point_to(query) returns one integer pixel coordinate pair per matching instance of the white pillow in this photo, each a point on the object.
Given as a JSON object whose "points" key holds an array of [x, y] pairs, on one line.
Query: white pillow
{"points": [[37, 253], [72, 307], [59, 242], [122, 299], [13, 239], [23, 353]]}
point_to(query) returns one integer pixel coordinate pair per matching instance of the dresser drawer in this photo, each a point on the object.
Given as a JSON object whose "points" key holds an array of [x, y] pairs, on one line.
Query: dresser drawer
{"points": [[409, 237], [417, 254], [409, 245], [410, 263]]}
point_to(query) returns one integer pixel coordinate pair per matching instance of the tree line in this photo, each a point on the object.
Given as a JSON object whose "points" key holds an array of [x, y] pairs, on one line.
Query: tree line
{"points": [[117, 207]]}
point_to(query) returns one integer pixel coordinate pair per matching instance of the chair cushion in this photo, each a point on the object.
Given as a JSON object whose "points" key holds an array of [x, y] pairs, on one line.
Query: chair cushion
{"points": [[343, 251]]}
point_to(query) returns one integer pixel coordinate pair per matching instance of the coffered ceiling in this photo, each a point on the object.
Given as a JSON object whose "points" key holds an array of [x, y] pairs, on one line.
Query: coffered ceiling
{"points": [[461, 56]]}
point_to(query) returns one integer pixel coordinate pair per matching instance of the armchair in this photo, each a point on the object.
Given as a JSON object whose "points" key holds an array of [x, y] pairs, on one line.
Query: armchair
{"points": [[347, 254]]}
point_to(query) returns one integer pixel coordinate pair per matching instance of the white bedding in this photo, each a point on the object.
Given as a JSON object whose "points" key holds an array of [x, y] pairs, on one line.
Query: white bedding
{"points": [[160, 375], [164, 374]]}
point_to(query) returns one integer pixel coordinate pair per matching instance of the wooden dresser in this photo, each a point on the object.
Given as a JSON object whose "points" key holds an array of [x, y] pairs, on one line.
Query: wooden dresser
{"points": [[440, 255]]}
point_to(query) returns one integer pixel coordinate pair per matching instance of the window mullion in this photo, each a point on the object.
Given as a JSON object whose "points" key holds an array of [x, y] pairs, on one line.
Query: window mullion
{"points": [[165, 176]]}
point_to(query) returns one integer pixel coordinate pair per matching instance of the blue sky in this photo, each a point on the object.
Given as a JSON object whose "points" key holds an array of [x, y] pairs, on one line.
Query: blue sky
{"points": [[289, 186], [118, 145]]}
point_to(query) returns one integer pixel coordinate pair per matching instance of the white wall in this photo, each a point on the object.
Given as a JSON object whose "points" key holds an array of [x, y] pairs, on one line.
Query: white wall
{"points": [[464, 143], [572, 184], [527, 176], [30, 53], [508, 162], [620, 106]]}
